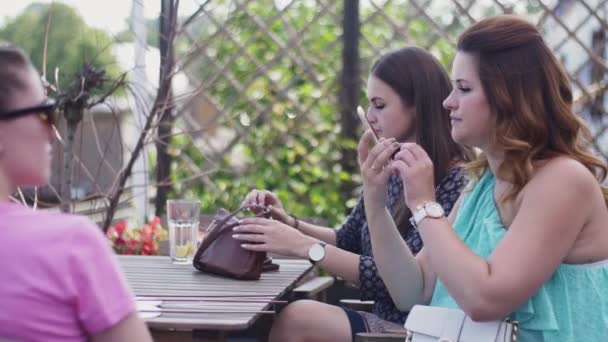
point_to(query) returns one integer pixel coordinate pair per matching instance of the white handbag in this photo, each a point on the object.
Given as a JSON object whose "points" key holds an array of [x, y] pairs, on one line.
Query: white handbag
{"points": [[435, 324]]}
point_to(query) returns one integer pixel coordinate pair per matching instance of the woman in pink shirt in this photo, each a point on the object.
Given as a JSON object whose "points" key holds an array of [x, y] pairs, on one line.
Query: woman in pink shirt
{"points": [[59, 280]]}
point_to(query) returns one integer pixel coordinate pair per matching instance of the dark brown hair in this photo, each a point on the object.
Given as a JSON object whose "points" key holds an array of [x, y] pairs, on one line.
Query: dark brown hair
{"points": [[530, 98], [422, 82], [13, 62]]}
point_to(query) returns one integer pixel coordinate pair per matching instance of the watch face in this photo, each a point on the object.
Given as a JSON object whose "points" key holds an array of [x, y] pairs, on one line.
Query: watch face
{"points": [[434, 210], [316, 252]]}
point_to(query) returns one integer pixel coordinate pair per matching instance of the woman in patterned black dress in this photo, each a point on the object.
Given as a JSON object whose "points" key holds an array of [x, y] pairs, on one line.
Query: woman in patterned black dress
{"points": [[404, 89]]}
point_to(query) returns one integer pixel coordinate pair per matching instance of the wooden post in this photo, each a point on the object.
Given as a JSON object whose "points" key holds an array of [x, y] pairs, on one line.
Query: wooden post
{"points": [[168, 21], [350, 84], [598, 45]]}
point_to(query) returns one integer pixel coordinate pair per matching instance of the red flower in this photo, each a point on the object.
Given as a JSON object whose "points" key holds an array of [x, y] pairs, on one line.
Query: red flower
{"points": [[155, 222], [146, 233], [120, 227], [146, 249], [132, 244], [143, 241]]}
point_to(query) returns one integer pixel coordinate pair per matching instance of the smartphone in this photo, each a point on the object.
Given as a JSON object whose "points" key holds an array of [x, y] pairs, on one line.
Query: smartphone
{"points": [[366, 125]]}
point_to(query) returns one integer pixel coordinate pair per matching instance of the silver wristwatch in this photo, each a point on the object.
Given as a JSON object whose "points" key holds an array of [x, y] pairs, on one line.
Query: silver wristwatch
{"points": [[316, 252], [427, 209]]}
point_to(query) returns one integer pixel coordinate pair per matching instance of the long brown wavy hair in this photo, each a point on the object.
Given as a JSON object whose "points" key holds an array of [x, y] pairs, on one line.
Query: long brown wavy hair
{"points": [[420, 81], [531, 100]]}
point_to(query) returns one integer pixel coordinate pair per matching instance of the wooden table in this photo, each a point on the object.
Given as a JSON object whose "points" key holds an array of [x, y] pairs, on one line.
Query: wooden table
{"points": [[228, 304]]}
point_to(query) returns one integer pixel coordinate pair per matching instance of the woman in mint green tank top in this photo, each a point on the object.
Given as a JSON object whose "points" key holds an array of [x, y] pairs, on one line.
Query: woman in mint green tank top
{"points": [[528, 239]]}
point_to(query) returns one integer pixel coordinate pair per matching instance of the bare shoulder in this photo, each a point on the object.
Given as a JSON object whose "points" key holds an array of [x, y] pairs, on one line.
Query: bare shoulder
{"points": [[564, 173], [571, 205]]}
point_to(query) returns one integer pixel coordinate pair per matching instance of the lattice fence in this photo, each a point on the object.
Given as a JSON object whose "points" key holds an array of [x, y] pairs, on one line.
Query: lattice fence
{"points": [[264, 68], [243, 48]]}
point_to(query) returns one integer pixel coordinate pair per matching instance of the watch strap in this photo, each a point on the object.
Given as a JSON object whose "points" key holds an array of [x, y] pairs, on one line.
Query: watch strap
{"points": [[419, 214]]}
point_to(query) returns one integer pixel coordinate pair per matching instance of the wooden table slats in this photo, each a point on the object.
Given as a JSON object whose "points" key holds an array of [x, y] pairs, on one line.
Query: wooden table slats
{"points": [[157, 276]]}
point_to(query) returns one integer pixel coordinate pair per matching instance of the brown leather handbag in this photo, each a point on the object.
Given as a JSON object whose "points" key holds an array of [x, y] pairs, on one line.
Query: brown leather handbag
{"points": [[221, 254]]}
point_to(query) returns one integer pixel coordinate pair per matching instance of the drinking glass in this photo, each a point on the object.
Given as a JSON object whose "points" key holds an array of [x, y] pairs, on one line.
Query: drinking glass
{"points": [[183, 221]]}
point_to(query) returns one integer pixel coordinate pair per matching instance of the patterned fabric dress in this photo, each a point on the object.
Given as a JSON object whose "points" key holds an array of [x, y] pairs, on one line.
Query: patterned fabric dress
{"points": [[354, 237]]}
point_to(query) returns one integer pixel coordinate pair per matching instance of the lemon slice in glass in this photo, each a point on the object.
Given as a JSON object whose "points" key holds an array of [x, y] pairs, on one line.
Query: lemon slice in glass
{"points": [[183, 251]]}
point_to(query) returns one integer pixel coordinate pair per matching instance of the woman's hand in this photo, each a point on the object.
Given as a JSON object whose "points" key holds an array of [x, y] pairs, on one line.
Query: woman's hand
{"points": [[271, 200], [375, 168], [416, 169], [266, 235]]}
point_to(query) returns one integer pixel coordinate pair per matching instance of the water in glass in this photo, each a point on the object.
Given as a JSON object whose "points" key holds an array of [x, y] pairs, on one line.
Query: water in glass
{"points": [[185, 235]]}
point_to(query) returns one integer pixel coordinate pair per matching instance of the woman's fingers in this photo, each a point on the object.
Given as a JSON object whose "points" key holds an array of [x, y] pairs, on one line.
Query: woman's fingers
{"points": [[416, 169], [255, 221], [417, 151], [406, 156], [374, 158], [249, 199], [384, 156], [364, 151], [266, 197], [363, 146], [270, 198], [255, 247], [262, 197], [250, 228], [259, 238], [275, 211], [400, 166], [259, 197], [252, 197], [278, 214]]}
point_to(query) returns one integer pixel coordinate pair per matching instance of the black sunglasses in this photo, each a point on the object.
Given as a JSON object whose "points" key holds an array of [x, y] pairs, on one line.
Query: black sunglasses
{"points": [[46, 110]]}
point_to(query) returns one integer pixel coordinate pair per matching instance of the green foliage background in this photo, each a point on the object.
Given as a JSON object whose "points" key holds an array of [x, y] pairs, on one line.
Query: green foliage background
{"points": [[296, 155]]}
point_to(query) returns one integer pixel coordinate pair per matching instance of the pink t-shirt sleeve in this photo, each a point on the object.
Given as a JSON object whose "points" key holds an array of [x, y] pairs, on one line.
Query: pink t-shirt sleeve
{"points": [[103, 297]]}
